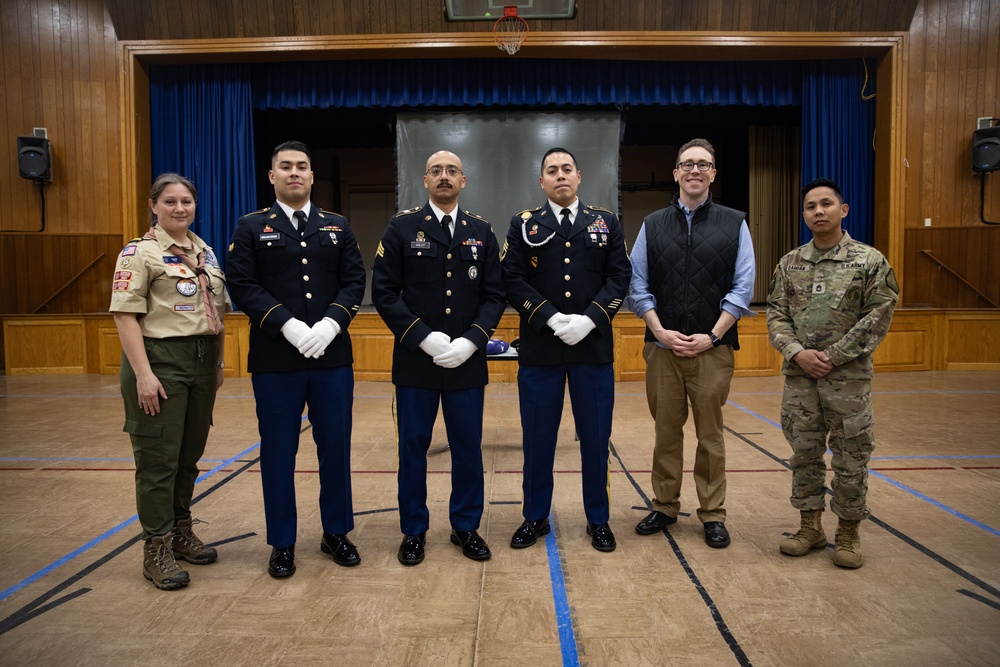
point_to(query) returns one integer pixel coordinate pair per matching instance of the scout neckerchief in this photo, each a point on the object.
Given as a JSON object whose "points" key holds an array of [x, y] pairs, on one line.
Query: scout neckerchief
{"points": [[199, 270]]}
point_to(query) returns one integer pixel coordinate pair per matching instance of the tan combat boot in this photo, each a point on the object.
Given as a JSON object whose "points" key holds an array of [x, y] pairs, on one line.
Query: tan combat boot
{"points": [[187, 546], [848, 542], [809, 537], [159, 566]]}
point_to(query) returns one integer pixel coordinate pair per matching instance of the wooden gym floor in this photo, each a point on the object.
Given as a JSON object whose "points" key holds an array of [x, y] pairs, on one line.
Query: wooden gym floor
{"points": [[71, 589]]}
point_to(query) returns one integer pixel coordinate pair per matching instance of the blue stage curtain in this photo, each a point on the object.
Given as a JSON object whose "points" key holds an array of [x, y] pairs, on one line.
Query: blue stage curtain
{"points": [[491, 82], [201, 126], [838, 130], [202, 123]]}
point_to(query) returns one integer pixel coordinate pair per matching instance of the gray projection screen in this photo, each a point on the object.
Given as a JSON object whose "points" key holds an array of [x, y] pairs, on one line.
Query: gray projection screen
{"points": [[501, 156]]}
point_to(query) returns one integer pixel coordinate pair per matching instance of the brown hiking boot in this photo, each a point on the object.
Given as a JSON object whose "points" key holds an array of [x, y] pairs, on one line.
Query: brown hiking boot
{"points": [[809, 537], [187, 546], [848, 542], [159, 566]]}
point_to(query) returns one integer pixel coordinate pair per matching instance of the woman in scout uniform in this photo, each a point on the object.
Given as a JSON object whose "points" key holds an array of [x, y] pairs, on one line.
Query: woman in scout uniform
{"points": [[169, 298]]}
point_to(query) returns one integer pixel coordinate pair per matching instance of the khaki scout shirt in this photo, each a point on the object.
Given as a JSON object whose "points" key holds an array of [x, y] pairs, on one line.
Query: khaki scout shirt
{"points": [[839, 301], [152, 281]]}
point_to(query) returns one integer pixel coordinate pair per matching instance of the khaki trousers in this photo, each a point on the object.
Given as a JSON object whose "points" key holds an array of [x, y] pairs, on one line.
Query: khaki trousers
{"points": [[671, 382]]}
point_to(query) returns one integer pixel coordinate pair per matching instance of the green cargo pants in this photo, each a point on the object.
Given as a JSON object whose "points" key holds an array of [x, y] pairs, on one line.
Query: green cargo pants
{"points": [[168, 445]]}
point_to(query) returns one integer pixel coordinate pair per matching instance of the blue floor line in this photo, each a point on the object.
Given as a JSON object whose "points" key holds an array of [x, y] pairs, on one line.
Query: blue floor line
{"points": [[963, 517], [97, 540], [903, 487], [564, 620]]}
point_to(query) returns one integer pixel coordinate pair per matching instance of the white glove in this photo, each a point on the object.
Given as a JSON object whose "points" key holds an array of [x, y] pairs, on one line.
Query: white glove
{"points": [[457, 354], [437, 342], [576, 329], [557, 321], [294, 330], [314, 344]]}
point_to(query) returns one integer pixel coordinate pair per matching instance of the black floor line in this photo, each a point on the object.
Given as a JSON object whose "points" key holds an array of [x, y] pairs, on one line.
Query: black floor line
{"points": [[720, 623], [938, 558], [34, 608]]}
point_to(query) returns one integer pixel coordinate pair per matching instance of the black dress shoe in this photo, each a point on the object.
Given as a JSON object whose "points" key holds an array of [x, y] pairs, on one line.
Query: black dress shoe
{"points": [[716, 535], [282, 563], [342, 549], [473, 546], [601, 537], [411, 550], [654, 523], [529, 532]]}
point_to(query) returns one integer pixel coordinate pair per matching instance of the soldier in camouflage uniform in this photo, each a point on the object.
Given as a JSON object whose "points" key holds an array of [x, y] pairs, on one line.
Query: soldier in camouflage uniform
{"points": [[830, 305]]}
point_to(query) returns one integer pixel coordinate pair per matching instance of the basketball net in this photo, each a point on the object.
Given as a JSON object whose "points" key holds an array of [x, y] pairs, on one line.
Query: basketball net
{"points": [[509, 31]]}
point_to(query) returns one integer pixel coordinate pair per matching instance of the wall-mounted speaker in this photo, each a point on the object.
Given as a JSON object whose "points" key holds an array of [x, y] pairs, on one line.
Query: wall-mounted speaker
{"points": [[986, 150], [34, 158]]}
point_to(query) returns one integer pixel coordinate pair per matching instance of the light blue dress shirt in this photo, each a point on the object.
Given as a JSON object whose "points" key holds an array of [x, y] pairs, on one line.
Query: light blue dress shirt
{"points": [[736, 302]]}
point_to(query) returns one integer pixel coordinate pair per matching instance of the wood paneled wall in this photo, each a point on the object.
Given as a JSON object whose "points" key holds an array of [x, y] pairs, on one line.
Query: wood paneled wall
{"points": [[919, 340], [60, 72], [208, 19], [953, 267], [57, 273], [954, 78]]}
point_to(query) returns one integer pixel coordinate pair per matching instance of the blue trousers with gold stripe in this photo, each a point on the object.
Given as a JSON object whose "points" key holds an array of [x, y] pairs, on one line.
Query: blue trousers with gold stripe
{"points": [[541, 392], [415, 411], [281, 397]]}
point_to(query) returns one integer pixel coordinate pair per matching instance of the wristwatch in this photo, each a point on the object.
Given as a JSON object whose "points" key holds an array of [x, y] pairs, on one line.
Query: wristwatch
{"points": [[716, 341], [220, 364]]}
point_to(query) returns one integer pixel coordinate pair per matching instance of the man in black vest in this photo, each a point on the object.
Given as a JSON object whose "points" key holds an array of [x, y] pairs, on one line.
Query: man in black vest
{"points": [[436, 282], [296, 271], [692, 279]]}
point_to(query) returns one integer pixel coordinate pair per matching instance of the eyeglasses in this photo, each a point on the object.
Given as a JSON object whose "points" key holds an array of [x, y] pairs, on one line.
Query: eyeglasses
{"points": [[702, 166], [437, 171]]}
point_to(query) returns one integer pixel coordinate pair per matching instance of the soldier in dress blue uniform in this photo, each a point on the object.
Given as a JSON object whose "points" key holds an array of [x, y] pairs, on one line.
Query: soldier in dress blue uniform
{"points": [[436, 282], [296, 271], [566, 270]]}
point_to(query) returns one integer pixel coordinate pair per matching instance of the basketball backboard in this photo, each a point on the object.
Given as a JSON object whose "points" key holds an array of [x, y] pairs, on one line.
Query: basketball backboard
{"points": [[491, 10]]}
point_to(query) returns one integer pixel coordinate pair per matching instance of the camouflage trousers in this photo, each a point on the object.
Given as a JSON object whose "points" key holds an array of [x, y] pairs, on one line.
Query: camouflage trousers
{"points": [[813, 412]]}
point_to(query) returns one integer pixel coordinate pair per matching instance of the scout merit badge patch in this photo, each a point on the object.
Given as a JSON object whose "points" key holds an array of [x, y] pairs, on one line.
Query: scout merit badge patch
{"points": [[187, 287]]}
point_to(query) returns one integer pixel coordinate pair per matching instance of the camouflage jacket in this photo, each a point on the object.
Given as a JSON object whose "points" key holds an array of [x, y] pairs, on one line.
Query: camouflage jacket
{"points": [[839, 301]]}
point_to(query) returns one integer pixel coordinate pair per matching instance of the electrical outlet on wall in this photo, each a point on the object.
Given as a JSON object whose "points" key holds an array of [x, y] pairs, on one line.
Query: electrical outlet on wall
{"points": [[984, 123], [927, 222]]}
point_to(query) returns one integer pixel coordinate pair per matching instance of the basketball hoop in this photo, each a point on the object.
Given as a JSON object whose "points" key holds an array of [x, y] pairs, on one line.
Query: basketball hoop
{"points": [[510, 30]]}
